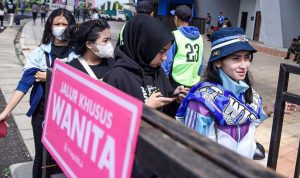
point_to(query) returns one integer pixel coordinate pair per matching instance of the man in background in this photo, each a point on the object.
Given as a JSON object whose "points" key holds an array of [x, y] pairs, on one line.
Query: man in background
{"points": [[184, 62], [221, 20], [143, 7], [11, 10]]}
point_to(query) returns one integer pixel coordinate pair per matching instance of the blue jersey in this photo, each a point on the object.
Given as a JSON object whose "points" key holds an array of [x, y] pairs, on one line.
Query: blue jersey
{"points": [[220, 20]]}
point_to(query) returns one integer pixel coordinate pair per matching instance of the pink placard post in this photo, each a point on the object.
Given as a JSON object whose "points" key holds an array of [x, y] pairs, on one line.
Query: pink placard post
{"points": [[91, 128]]}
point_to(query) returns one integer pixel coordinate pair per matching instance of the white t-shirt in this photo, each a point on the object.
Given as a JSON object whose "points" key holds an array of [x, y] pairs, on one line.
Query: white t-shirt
{"points": [[95, 16]]}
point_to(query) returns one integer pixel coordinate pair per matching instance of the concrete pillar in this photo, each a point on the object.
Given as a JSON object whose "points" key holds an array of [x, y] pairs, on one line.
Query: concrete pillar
{"points": [[271, 30]]}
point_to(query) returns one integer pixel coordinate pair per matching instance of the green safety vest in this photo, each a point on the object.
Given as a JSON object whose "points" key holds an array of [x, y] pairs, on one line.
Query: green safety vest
{"points": [[121, 35], [187, 60]]}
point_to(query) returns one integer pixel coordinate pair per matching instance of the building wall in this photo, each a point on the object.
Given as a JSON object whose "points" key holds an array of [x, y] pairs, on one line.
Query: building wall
{"points": [[279, 18], [290, 20], [250, 7], [278, 26], [271, 31], [230, 9], [163, 8]]}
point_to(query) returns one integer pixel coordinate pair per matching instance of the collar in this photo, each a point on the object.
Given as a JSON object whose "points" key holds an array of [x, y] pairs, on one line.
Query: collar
{"points": [[235, 87], [46, 47]]}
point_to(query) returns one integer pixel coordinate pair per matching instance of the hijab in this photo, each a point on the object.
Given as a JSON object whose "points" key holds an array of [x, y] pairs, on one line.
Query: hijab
{"points": [[144, 37]]}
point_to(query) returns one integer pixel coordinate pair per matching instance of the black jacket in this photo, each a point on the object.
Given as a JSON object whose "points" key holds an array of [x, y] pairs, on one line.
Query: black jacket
{"points": [[129, 77], [99, 69]]}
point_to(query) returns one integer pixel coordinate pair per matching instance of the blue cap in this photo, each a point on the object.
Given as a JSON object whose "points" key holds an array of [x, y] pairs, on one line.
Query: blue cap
{"points": [[227, 41], [182, 12]]}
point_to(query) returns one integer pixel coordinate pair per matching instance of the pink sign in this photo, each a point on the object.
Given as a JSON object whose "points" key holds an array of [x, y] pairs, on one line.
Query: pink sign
{"points": [[91, 128]]}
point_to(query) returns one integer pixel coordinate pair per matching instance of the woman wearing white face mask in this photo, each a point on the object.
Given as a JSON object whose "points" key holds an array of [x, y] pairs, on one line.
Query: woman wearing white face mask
{"points": [[92, 42], [52, 47]]}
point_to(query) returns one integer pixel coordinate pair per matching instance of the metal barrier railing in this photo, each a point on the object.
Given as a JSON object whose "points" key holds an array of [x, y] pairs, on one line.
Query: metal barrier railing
{"points": [[282, 97]]}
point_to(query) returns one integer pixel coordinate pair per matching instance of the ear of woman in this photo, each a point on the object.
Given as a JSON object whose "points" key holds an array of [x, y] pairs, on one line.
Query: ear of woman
{"points": [[89, 45], [218, 64]]}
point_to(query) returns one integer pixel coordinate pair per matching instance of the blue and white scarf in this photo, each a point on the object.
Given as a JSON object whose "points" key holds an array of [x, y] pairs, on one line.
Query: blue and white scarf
{"points": [[224, 106]]}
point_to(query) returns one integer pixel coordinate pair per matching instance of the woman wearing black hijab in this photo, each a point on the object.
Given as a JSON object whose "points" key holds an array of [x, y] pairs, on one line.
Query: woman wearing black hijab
{"points": [[137, 69]]}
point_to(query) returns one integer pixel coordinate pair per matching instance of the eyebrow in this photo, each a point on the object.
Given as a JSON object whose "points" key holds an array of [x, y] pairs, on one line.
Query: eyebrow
{"points": [[61, 23], [107, 37]]}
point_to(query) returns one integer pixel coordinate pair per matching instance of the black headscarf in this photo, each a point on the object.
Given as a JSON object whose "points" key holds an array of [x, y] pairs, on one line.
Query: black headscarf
{"points": [[143, 38], [1, 6]]}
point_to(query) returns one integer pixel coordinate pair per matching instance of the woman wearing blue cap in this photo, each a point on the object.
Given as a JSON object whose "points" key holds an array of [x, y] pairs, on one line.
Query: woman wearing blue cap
{"points": [[224, 107]]}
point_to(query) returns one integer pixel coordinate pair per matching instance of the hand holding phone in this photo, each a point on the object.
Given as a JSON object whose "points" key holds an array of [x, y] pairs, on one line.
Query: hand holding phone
{"points": [[181, 92], [173, 95], [156, 100]]}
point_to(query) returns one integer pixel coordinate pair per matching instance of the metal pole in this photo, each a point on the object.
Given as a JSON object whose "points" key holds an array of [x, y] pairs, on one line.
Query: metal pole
{"points": [[297, 167], [278, 118]]}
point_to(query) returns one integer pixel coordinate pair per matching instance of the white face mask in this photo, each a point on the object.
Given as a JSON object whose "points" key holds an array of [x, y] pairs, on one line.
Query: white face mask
{"points": [[105, 51], [57, 32]]}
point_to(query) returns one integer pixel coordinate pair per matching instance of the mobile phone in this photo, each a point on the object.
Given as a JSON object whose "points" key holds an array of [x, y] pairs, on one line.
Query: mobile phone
{"points": [[173, 95]]}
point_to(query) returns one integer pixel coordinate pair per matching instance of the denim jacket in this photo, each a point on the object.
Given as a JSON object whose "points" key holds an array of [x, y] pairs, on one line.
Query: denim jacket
{"points": [[35, 62], [37, 59]]}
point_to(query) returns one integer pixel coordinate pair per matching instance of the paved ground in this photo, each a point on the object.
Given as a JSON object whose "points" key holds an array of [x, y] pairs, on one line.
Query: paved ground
{"points": [[265, 70]]}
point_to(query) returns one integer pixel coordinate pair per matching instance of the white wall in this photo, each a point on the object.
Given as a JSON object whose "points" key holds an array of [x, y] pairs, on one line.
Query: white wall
{"points": [[280, 19], [290, 20], [248, 6], [270, 31], [230, 9]]}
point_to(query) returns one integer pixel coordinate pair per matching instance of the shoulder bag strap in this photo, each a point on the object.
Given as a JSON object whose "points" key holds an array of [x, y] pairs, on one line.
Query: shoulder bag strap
{"points": [[87, 68]]}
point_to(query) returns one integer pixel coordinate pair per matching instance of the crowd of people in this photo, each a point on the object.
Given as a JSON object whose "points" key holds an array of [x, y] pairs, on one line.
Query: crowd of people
{"points": [[165, 71], [86, 13], [222, 22], [39, 8], [10, 9]]}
